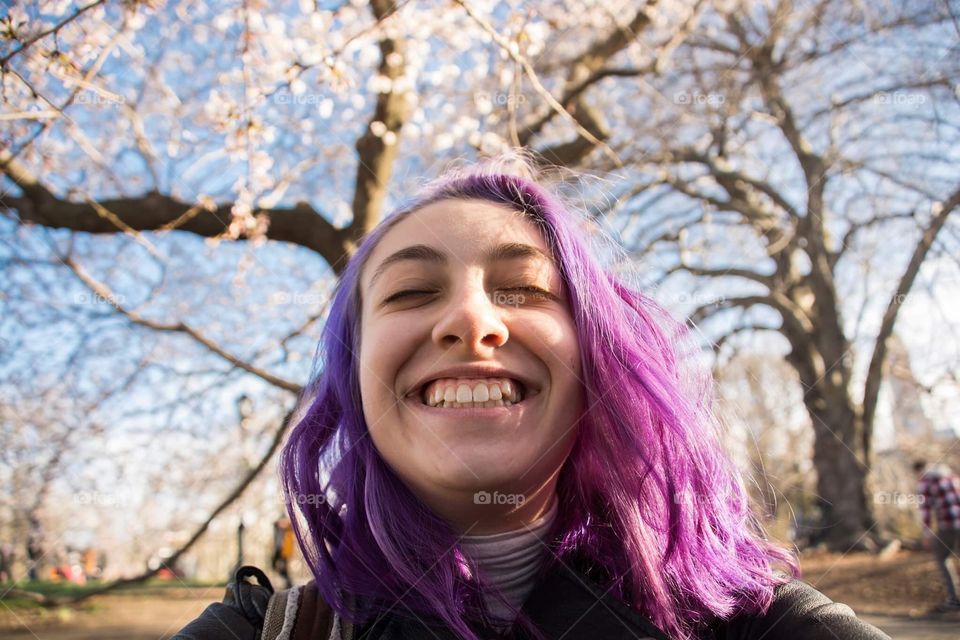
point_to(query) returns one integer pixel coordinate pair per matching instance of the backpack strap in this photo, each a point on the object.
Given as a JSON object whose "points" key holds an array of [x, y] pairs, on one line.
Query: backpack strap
{"points": [[281, 614], [314, 617], [300, 613]]}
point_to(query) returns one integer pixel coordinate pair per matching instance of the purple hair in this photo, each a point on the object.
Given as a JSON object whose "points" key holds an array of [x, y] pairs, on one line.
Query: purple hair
{"points": [[648, 493]]}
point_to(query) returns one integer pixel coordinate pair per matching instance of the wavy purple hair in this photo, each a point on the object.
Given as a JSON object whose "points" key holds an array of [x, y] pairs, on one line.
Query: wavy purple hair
{"points": [[647, 493]]}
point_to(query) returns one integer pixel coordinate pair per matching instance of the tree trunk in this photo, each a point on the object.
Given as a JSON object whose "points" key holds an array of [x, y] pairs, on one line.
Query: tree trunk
{"points": [[838, 458], [841, 480]]}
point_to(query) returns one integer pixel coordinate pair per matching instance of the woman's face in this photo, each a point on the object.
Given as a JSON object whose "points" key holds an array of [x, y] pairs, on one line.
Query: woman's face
{"points": [[472, 269]]}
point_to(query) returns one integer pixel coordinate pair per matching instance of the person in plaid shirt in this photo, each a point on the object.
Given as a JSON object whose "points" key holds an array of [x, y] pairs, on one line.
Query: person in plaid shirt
{"points": [[939, 491]]}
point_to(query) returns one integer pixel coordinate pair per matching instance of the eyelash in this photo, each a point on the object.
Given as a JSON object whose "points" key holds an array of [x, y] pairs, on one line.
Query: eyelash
{"points": [[409, 292]]}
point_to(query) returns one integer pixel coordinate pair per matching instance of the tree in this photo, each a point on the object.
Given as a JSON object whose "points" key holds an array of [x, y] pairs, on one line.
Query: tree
{"points": [[781, 149]]}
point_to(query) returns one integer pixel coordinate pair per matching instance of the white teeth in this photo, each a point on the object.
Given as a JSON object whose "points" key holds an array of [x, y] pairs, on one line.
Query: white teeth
{"points": [[481, 393], [491, 392]]}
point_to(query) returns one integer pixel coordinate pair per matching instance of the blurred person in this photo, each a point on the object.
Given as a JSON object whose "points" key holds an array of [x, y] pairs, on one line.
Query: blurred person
{"points": [[510, 441], [35, 551], [7, 558], [283, 548], [90, 568], [938, 489]]}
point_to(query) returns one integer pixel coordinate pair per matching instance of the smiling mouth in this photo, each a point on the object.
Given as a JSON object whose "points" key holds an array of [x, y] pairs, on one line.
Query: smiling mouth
{"points": [[482, 393]]}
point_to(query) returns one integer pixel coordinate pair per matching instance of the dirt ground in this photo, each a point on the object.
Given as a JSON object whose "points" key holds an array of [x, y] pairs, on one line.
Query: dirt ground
{"points": [[896, 594], [133, 616], [906, 584]]}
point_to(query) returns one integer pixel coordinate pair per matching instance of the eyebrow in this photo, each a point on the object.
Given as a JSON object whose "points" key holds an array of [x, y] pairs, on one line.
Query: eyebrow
{"points": [[425, 253]]}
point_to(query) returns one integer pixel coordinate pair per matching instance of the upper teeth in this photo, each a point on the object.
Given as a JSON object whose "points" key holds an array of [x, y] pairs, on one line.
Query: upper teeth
{"points": [[458, 391]]}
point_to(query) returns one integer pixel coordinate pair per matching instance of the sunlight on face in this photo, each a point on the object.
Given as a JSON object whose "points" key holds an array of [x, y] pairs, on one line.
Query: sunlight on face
{"points": [[473, 283]]}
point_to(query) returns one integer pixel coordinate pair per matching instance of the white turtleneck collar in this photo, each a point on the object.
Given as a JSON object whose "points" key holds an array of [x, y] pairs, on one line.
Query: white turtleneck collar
{"points": [[510, 560]]}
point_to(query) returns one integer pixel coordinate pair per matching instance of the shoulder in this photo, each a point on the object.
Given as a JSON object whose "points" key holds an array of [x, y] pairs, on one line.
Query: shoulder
{"points": [[219, 620], [799, 611], [254, 611]]}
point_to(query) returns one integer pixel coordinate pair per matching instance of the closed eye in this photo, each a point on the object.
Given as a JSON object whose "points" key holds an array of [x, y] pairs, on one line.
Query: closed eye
{"points": [[534, 290], [530, 289], [406, 294]]}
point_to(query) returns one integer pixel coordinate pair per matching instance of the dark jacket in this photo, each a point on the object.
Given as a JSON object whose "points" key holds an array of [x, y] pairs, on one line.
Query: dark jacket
{"points": [[565, 602]]}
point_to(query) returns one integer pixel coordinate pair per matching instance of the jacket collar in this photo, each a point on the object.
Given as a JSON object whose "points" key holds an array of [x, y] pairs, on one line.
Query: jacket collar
{"points": [[566, 601]]}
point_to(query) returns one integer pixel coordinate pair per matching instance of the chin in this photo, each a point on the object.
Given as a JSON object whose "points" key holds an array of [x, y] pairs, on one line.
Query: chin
{"points": [[488, 476]]}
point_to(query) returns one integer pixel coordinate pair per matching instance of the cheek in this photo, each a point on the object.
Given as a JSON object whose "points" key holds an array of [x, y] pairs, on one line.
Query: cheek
{"points": [[571, 352], [384, 347], [557, 340], [372, 360]]}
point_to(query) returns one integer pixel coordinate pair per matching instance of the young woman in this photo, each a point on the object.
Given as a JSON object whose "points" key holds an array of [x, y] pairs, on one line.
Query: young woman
{"points": [[503, 439]]}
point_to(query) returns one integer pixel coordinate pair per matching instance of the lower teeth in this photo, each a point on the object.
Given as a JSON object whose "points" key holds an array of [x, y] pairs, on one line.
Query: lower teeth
{"points": [[471, 405]]}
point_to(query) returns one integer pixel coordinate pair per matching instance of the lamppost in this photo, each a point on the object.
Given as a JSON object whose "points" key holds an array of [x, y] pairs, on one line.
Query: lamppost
{"points": [[244, 411], [240, 529]]}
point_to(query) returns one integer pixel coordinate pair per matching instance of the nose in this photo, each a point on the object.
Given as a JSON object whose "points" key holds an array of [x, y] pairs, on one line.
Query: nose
{"points": [[471, 319]]}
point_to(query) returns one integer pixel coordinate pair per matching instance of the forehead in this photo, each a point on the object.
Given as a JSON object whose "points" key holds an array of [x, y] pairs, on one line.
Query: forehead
{"points": [[465, 230]]}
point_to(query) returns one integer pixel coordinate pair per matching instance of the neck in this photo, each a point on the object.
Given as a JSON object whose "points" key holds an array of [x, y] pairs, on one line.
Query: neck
{"points": [[498, 512], [509, 562]]}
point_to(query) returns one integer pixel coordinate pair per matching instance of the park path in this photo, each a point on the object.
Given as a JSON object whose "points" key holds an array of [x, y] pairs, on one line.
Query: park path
{"points": [[898, 627]]}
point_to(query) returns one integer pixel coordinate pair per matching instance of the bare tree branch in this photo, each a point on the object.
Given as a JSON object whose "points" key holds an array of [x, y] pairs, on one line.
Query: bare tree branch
{"points": [[180, 327], [873, 94], [732, 272], [742, 328], [588, 70], [53, 29], [586, 121], [793, 317], [857, 227], [942, 211], [734, 181]]}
